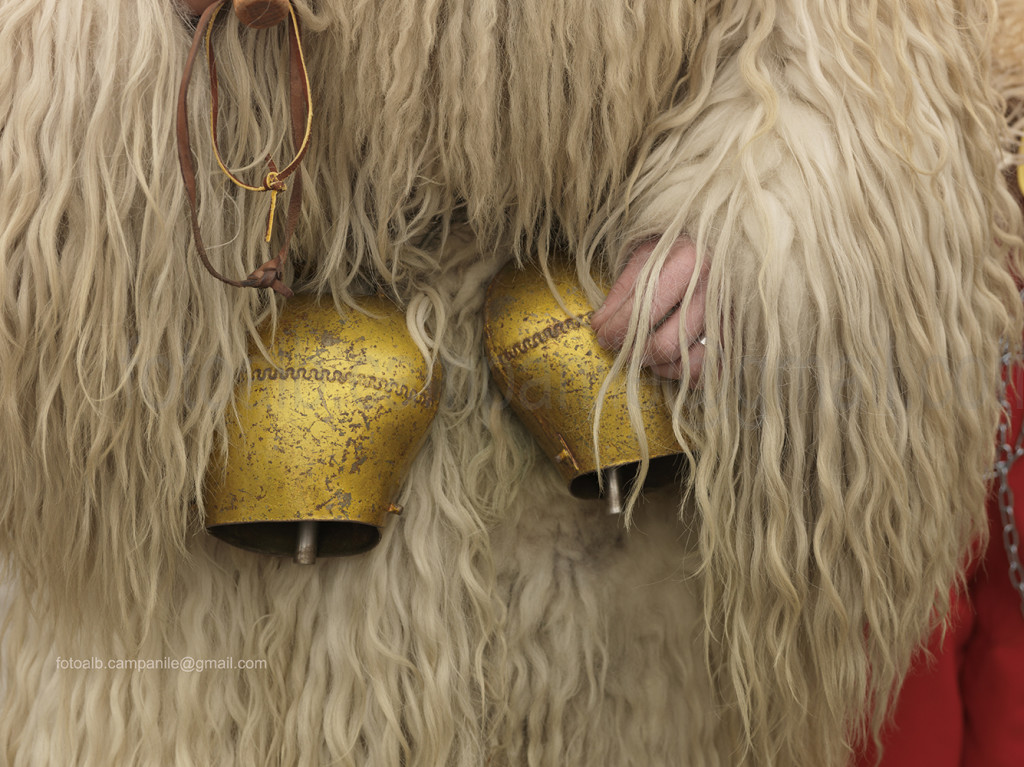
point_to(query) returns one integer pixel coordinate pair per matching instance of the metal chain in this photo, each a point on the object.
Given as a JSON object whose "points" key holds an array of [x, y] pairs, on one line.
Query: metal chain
{"points": [[1008, 455]]}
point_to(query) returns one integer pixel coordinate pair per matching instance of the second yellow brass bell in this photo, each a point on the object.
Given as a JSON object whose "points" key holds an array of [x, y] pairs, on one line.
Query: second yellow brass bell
{"points": [[547, 362]]}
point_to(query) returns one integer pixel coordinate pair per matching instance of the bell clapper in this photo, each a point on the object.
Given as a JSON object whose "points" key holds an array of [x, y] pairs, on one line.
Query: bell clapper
{"points": [[305, 545], [614, 491]]}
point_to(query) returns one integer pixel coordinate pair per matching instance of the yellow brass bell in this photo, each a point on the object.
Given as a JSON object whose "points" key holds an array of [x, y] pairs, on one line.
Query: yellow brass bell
{"points": [[548, 364], [326, 433]]}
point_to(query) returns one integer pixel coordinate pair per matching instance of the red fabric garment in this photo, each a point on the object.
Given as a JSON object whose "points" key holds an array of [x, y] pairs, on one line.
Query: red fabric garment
{"points": [[965, 708]]}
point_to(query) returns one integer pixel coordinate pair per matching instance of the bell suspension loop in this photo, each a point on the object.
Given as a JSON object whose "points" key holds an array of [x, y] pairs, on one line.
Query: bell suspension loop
{"points": [[257, 14]]}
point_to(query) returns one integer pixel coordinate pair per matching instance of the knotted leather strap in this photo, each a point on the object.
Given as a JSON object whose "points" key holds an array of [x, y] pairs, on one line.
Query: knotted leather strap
{"points": [[270, 274]]}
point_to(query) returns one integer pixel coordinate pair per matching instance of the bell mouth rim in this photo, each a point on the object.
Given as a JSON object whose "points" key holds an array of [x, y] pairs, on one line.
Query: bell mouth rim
{"points": [[662, 470], [278, 538]]}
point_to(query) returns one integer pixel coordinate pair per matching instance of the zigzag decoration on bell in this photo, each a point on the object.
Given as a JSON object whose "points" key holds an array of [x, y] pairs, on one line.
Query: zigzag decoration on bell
{"points": [[548, 364], [325, 434]]}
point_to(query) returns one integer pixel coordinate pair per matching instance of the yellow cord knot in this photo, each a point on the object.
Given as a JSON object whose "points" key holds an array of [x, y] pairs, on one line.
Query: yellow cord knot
{"points": [[273, 182], [274, 185]]}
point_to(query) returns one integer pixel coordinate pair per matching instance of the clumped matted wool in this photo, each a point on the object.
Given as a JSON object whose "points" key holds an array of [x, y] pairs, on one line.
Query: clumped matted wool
{"points": [[838, 163]]}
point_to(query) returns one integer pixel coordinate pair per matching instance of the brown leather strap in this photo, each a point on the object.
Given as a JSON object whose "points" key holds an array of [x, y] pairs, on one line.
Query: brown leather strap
{"points": [[269, 274]]}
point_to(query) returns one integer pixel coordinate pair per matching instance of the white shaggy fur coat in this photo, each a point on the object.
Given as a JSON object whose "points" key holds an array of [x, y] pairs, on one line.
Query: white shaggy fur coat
{"points": [[837, 161]]}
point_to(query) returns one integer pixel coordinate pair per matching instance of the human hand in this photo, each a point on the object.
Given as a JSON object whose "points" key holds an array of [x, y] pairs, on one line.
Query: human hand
{"points": [[663, 354]]}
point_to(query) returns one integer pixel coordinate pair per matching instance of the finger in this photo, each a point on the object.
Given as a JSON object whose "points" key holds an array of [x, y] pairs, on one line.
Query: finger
{"points": [[622, 290], [672, 281], [663, 345], [690, 367]]}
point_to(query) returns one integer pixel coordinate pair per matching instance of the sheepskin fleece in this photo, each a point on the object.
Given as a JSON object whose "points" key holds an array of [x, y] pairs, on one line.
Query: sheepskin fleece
{"points": [[838, 162]]}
